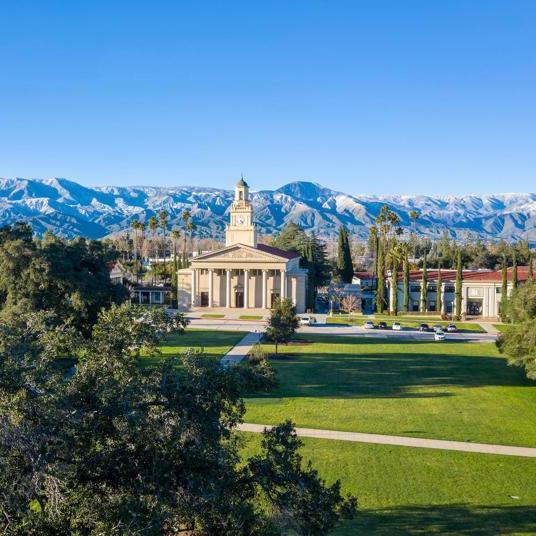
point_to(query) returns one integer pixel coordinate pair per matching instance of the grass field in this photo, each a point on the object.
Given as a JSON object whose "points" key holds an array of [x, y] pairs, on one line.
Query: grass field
{"points": [[406, 322], [214, 343], [451, 390], [409, 491], [250, 317], [213, 315]]}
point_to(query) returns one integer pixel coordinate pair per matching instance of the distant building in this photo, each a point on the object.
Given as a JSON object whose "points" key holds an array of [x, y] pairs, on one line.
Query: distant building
{"points": [[244, 274], [481, 291]]}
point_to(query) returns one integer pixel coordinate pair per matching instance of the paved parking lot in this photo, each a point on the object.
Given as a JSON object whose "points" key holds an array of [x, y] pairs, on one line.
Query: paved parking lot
{"points": [[235, 324]]}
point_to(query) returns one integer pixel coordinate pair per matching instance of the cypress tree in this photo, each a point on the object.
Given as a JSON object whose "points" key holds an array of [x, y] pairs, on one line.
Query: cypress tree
{"points": [[514, 269], [530, 275], [424, 286], [504, 288], [459, 282], [308, 255], [380, 271], [394, 285], [344, 267], [439, 291], [405, 305]]}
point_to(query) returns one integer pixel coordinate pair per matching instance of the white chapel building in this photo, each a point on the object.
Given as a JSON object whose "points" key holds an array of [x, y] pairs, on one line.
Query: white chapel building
{"points": [[244, 274]]}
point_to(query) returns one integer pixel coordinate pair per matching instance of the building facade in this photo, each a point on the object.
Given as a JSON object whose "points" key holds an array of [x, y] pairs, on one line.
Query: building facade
{"points": [[481, 292], [244, 274]]}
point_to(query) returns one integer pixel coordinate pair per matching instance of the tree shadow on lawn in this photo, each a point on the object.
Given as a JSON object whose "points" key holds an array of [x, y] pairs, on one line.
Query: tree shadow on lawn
{"points": [[388, 374], [455, 519]]}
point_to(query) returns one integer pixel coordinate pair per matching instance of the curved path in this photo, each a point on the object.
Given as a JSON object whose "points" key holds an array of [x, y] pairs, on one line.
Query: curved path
{"points": [[482, 448]]}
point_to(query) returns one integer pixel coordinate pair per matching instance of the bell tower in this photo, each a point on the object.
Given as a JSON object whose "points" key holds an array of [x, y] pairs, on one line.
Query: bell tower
{"points": [[241, 229]]}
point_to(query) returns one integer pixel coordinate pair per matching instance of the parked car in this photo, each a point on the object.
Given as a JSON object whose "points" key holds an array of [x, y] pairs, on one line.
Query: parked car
{"points": [[424, 327], [305, 321], [382, 325], [397, 326], [439, 335], [369, 325], [451, 328], [437, 327]]}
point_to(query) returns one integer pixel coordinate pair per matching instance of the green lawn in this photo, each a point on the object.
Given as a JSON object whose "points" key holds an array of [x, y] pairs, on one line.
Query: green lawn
{"points": [[250, 317], [450, 390], [406, 322], [410, 491], [215, 343], [503, 328], [213, 315]]}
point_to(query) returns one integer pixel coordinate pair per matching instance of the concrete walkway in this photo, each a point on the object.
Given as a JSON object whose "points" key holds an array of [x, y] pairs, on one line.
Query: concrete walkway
{"points": [[402, 441], [241, 350]]}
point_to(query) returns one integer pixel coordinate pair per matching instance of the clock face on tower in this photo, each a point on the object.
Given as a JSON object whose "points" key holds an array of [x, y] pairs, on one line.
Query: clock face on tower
{"points": [[240, 220]]}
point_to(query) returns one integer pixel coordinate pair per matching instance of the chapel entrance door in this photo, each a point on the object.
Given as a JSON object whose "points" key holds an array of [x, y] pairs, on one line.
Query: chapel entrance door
{"points": [[239, 299]]}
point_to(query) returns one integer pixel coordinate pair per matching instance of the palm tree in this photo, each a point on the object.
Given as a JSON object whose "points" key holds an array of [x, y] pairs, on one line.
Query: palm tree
{"points": [[191, 227], [175, 237], [153, 226], [186, 215], [163, 217], [135, 225]]}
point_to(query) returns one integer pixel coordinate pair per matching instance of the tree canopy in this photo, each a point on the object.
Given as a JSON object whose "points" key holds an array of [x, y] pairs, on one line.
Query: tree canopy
{"points": [[92, 443], [70, 278]]}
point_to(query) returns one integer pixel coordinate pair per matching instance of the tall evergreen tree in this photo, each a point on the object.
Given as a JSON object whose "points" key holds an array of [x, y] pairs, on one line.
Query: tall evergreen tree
{"points": [[459, 282], [514, 269], [439, 291], [530, 274], [405, 305], [394, 282], [424, 286], [344, 266], [504, 288]]}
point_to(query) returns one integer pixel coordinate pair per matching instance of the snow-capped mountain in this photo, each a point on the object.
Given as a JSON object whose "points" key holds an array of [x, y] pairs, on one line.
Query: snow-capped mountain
{"points": [[69, 209]]}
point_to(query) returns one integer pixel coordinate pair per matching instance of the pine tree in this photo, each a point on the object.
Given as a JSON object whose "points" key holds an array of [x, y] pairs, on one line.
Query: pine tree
{"points": [[514, 269], [439, 291], [308, 256], [424, 286], [405, 305], [459, 282], [504, 288], [344, 266], [530, 275]]}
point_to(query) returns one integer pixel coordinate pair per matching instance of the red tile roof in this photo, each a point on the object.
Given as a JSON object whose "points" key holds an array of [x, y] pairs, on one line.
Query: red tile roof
{"points": [[277, 251]]}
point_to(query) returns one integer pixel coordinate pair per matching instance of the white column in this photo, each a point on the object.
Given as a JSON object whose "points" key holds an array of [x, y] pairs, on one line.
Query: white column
{"points": [[283, 284], [294, 291], [228, 288], [193, 286], [246, 289], [264, 288], [210, 289]]}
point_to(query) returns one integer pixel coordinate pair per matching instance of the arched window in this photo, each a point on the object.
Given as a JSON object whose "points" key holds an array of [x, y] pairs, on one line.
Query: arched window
{"points": [[241, 195]]}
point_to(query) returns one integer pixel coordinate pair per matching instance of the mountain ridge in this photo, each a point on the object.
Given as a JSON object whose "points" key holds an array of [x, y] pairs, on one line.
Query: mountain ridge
{"points": [[68, 208]]}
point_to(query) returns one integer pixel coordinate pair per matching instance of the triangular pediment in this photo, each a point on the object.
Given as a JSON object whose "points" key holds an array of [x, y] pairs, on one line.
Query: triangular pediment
{"points": [[239, 252]]}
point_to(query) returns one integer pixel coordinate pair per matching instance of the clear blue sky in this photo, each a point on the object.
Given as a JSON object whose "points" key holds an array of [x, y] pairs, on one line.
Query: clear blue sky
{"points": [[400, 96]]}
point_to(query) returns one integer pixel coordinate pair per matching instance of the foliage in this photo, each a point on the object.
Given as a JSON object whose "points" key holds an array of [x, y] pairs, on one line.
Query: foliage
{"points": [[282, 323], [424, 287], [439, 291], [313, 256], [69, 278], [458, 287], [289, 485], [344, 266], [405, 304], [107, 447], [519, 341], [519, 344], [256, 372]]}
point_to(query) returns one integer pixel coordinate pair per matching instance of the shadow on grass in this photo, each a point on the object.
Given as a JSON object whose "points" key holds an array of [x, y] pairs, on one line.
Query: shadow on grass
{"points": [[456, 519], [387, 374]]}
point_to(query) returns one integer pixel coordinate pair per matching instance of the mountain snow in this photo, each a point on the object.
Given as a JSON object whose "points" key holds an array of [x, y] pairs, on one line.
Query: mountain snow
{"points": [[70, 209]]}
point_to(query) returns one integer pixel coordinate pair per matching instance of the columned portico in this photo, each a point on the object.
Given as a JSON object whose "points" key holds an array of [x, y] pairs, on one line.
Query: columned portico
{"points": [[246, 289], [264, 288], [244, 274]]}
